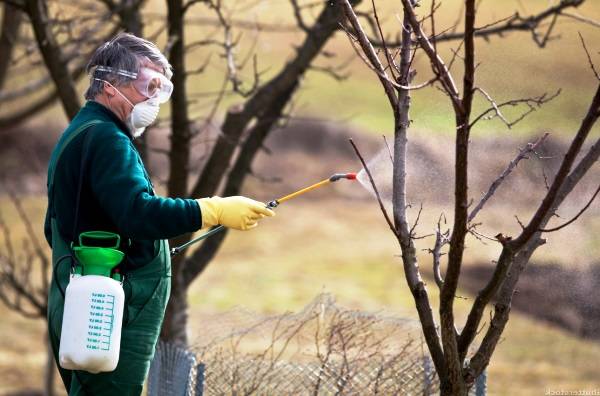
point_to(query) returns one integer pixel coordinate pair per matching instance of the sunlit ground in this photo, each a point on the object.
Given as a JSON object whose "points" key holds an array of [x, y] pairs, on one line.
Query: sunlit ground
{"points": [[340, 246]]}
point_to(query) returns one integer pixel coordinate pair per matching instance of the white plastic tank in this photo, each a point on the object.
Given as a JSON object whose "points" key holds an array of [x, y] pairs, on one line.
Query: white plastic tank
{"points": [[90, 338], [91, 329]]}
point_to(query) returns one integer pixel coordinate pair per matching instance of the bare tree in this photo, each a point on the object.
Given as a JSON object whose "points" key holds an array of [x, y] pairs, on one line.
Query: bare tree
{"points": [[448, 346], [24, 280]]}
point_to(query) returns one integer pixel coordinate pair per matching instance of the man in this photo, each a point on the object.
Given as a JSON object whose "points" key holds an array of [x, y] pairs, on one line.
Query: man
{"points": [[97, 181]]}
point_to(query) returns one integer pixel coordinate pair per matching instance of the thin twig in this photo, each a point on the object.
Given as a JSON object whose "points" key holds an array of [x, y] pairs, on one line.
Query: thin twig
{"points": [[512, 165], [441, 239], [388, 149], [588, 56], [381, 205], [576, 216]]}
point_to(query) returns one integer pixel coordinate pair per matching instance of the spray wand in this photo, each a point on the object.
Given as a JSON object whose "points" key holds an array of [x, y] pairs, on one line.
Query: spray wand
{"points": [[271, 205]]}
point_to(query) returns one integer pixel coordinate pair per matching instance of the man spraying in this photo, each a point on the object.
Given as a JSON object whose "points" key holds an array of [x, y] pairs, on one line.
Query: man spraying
{"points": [[97, 182]]}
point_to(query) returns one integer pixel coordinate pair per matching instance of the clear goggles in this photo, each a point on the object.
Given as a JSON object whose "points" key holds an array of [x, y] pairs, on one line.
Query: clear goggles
{"points": [[153, 84], [148, 82]]}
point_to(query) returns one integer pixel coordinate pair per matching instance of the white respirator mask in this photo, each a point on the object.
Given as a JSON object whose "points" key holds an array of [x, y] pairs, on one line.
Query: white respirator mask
{"points": [[142, 115], [152, 84]]}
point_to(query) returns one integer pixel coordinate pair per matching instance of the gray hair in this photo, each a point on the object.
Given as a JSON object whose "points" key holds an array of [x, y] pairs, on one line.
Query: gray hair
{"points": [[119, 60]]}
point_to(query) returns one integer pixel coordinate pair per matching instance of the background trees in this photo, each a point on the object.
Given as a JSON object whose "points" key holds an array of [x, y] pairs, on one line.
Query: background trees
{"points": [[449, 342], [216, 133]]}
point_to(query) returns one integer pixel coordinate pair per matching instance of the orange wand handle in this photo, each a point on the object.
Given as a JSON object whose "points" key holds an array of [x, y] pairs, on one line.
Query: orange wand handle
{"points": [[334, 178], [304, 190]]}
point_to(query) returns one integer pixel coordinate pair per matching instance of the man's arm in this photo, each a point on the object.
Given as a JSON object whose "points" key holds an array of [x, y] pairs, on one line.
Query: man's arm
{"points": [[118, 181]]}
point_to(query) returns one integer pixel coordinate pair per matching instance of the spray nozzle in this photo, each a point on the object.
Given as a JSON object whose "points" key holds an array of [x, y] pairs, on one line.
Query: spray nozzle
{"points": [[338, 176]]}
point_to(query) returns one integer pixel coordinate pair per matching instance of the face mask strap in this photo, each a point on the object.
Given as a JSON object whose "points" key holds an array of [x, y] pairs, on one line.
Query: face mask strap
{"points": [[116, 89]]}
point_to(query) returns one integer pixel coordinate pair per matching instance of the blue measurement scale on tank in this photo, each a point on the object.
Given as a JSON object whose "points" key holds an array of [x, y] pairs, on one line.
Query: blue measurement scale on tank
{"points": [[101, 321]]}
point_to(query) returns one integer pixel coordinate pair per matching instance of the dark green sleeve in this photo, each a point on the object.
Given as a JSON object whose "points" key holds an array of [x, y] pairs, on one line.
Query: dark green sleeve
{"points": [[48, 228], [118, 181]]}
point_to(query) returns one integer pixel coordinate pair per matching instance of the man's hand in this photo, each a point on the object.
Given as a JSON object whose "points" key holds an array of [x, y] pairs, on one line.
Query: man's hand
{"points": [[236, 212]]}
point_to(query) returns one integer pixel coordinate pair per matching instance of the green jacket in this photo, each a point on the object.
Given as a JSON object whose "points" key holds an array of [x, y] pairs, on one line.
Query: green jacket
{"points": [[117, 194]]}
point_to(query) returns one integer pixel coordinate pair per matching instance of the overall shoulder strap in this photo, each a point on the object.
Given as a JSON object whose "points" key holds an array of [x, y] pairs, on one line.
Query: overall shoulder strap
{"points": [[72, 136], [83, 127]]}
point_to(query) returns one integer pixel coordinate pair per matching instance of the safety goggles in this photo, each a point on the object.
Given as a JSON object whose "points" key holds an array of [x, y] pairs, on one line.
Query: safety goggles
{"points": [[153, 84], [148, 82]]}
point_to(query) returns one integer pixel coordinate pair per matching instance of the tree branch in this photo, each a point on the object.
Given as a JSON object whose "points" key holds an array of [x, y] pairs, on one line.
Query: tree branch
{"points": [[530, 147], [238, 119], [513, 246], [481, 358], [198, 261], [588, 122], [532, 103], [575, 217], [438, 65], [53, 56], [370, 53], [441, 239], [515, 22]]}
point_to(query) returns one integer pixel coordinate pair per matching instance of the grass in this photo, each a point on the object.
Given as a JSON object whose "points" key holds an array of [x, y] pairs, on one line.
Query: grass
{"points": [[320, 246]]}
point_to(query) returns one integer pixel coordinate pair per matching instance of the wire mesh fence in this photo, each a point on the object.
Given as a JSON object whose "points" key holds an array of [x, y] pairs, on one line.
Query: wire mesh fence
{"points": [[324, 349]]}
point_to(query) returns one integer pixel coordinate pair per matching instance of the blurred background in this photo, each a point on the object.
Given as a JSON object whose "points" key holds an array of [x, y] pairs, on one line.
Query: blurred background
{"points": [[333, 240]]}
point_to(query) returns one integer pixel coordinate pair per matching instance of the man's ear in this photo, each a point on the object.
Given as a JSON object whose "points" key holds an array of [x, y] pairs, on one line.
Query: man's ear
{"points": [[109, 89]]}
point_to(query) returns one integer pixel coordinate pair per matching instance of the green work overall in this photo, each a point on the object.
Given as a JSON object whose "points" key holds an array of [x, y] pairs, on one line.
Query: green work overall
{"points": [[119, 193]]}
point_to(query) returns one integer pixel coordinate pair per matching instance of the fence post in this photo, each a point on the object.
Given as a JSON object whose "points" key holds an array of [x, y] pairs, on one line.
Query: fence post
{"points": [[200, 368], [426, 375], [481, 384], [170, 371]]}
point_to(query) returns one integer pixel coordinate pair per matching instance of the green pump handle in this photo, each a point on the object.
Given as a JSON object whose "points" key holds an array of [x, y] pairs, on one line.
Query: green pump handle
{"points": [[102, 236], [98, 260]]}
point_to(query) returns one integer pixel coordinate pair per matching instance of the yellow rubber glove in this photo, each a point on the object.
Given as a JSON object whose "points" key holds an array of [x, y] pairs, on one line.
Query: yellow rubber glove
{"points": [[236, 212]]}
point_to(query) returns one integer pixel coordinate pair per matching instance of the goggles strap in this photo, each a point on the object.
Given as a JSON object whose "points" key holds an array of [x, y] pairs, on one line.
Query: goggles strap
{"points": [[120, 72]]}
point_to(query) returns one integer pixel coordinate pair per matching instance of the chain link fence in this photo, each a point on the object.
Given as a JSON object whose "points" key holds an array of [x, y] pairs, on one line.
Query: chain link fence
{"points": [[324, 349]]}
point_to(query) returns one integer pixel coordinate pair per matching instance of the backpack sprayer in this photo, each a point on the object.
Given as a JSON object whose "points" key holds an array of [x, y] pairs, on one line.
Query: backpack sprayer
{"points": [[271, 205]]}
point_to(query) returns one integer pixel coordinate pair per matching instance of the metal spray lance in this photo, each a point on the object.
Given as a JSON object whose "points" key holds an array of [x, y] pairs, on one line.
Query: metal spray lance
{"points": [[271, 205]]}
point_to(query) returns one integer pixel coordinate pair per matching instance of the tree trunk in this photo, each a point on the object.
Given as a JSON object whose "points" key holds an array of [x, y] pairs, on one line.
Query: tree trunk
{"points": [[174, 327], [11, 20], [449, 389], [53, 56]]}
